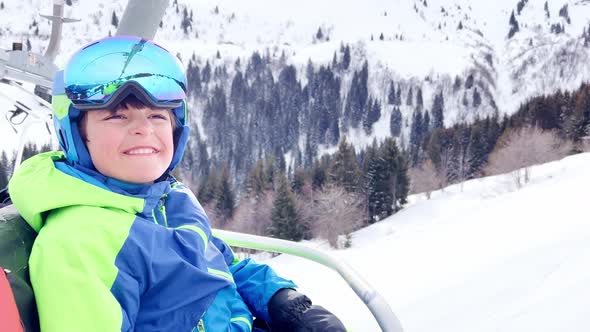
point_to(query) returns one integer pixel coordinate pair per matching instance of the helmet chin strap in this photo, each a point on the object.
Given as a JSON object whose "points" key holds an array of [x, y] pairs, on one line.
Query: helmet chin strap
{"points": [[84, 158]]}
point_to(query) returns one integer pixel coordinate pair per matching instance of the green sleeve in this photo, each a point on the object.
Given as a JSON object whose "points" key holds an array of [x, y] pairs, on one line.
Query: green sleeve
{"points": [[73, 269]]}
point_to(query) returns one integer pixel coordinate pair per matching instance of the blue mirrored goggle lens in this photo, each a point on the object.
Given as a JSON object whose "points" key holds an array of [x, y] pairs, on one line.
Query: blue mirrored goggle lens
{"points": [[95, 73]]}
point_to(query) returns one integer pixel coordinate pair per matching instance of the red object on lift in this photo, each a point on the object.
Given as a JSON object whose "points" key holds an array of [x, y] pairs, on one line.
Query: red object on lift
{"points": [[10, 321]]}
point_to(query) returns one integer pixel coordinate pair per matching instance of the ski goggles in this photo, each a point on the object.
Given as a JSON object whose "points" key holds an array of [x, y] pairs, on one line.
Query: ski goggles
{"points": [[101, 74]]}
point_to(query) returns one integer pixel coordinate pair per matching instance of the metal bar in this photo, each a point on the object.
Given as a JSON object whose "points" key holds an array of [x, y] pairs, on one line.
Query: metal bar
{"points": [[56, 28], [372, 299], [142, 18]]}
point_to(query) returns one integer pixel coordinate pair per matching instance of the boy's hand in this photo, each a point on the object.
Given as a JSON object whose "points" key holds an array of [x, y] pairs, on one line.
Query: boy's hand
{"points": [[293, 311]]}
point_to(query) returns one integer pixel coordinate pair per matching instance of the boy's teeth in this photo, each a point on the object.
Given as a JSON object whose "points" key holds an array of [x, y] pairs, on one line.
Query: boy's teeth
{"points": [[141, 151]]}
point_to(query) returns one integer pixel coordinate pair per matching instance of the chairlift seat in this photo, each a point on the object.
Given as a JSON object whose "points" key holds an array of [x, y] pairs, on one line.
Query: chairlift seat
{"points": [[16, 242]]}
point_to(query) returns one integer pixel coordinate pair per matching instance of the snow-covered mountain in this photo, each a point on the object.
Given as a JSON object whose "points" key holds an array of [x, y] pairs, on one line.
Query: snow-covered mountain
{"points": [[479, 257], [459, 48], [422, 40]]}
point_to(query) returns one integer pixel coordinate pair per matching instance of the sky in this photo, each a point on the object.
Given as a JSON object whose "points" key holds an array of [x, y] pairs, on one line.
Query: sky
{"points": [[484, 256]]}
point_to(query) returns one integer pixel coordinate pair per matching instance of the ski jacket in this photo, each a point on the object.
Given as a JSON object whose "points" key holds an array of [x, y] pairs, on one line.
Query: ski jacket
{"points": [[115, 257]]}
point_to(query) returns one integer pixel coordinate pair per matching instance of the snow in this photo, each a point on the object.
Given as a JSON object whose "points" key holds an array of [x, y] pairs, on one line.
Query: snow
{"points": [[479, 257]]}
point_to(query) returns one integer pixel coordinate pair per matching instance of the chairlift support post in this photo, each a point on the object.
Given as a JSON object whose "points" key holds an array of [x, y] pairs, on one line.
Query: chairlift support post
{"points": [[142, 18]]}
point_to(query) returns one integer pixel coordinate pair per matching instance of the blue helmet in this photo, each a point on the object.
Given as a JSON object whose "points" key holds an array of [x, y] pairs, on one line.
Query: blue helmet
{"points": [[102, 74]]}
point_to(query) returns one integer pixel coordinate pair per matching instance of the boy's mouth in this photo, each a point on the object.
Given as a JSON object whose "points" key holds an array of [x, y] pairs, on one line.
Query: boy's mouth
{"points": [[141, 151]]}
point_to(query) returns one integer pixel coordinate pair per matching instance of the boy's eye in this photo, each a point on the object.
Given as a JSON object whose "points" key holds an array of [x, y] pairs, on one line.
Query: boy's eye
{"points": [[115, 117], [159, 116]]}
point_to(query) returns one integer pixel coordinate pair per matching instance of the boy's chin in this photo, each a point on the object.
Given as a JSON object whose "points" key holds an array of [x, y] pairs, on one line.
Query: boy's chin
{"points": [[139, 177]]}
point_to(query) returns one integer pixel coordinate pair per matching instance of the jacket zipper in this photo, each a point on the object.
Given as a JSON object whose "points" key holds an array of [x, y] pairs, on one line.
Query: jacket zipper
{"points": [[200, 327], [162, 209]]}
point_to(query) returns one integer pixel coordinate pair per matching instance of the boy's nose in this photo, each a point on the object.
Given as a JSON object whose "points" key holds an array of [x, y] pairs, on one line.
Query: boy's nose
{"points": [[141, 127]]}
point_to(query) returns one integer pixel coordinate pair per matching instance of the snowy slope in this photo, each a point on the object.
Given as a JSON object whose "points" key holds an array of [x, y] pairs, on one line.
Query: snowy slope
{"points": [[488, 258]]}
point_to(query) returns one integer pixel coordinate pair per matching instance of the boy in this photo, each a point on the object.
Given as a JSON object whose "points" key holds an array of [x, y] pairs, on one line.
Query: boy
{"points": [[122, 245]]}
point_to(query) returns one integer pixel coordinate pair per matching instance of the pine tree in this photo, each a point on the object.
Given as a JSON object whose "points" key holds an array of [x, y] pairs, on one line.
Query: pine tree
{"points": [[286, 222], [417, 135], [225, 198], [193, 77], [476, 98], [563, 12], [310, 151], [426, 124], [256, 180], [356, 101], [416, 131], [346, 58], [419, 99], [351, 103], [114, 20], [395, 122], [513, 26], [344, 170], [391, 95], [363, 90], [373, 114], [298, 180], [269, 171], [398, 96], [319, 35], [208, 187], [318, 174], [438, 106], [206, 73], [334, 61], [477, 149], [186, 22], [410, 98], [388, 184]]}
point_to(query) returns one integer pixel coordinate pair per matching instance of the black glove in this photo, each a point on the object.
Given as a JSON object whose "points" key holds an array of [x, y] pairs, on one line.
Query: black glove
{"points": [[292, 311]]}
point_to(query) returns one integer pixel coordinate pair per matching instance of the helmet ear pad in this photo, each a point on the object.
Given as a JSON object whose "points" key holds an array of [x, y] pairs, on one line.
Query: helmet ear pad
{"points": [[181, 134], [70, 139], [84, 158]]}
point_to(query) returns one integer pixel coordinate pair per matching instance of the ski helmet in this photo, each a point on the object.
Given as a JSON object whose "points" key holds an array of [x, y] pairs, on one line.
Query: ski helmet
{"points": [[102, 74]]}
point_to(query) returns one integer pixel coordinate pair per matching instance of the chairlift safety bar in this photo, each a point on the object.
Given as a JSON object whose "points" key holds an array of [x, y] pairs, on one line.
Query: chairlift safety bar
{"points": [[370, 297]]}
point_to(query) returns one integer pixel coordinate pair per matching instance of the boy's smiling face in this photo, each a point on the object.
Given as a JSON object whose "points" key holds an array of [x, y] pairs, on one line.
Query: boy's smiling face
{"points": [[132, 144]]}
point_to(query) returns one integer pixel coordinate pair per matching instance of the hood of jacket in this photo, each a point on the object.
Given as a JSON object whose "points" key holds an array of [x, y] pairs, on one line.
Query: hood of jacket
{"points": [[45, 182]]}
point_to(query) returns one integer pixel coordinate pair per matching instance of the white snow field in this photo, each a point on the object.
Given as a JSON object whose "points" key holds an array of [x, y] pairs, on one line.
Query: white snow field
{"points": [[487, 257]]}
